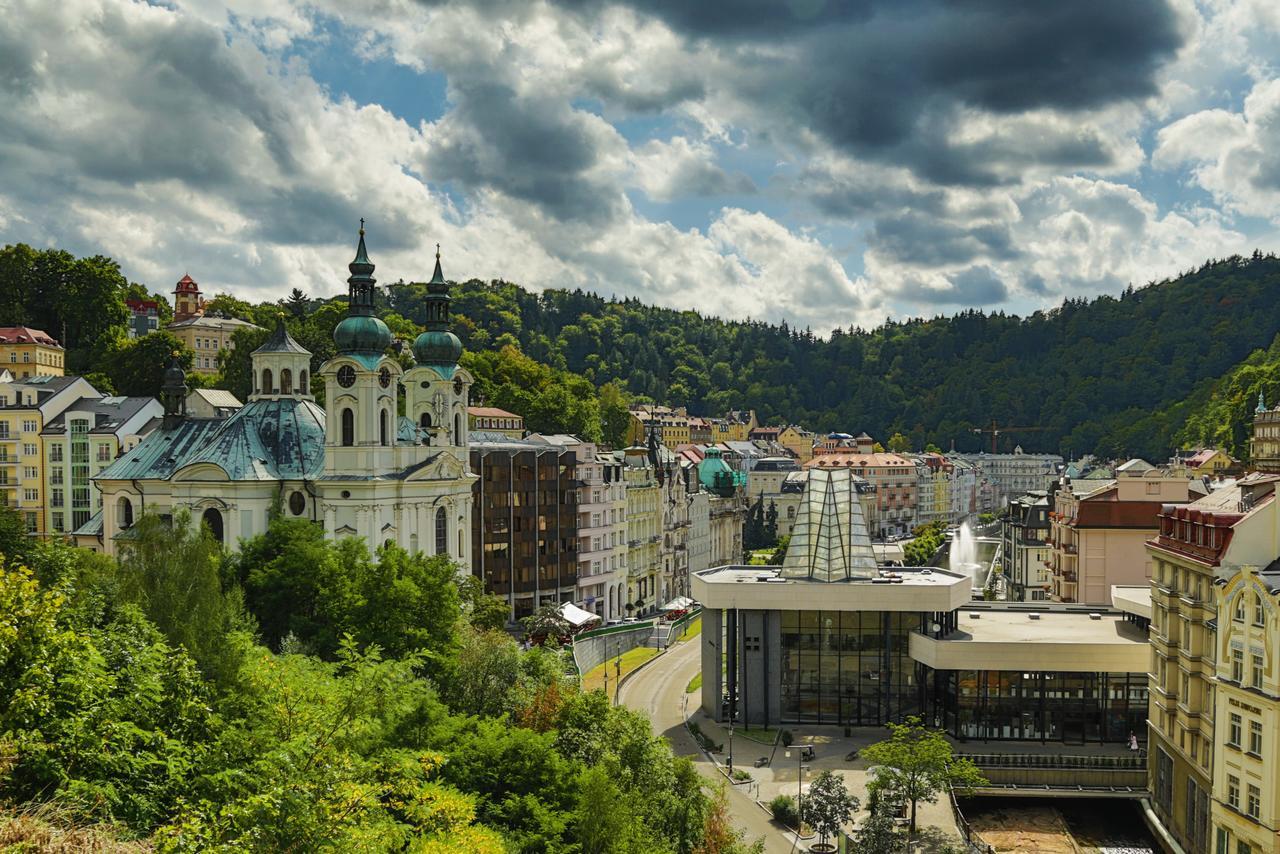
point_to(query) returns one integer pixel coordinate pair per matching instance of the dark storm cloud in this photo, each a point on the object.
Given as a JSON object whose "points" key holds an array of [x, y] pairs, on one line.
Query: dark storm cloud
{"points": [[536, 150], [889, 79], [919, 240], [975, 286]]}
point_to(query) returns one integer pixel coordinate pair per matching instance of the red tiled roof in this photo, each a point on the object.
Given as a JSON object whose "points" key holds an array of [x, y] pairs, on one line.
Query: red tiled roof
{"points": [[25, 335], [141, 304], [186, 283]]}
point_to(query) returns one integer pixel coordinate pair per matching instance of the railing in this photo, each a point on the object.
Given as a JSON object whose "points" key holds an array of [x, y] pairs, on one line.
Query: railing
{"points": [[1132, 761], [971, 839]]}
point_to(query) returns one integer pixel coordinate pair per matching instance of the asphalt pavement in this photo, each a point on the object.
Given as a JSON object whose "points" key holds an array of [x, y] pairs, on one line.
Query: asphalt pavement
{"points": [[658, 691]]}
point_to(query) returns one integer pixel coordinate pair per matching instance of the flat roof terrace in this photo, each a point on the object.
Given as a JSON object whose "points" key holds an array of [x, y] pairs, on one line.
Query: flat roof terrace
{"points": [[896, 589], [1036, 640]]}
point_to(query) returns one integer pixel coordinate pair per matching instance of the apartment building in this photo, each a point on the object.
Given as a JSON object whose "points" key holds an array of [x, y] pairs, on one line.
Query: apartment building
{"points": [[1025, 532], [892, 476], [1195, 544], [643, 532], [524, 525], [26, 406], [81, 441], [28, 352], [1098, 532]]}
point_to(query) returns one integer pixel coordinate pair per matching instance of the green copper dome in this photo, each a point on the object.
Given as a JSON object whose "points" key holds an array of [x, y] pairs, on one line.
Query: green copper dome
{"points": [[437, 348], [361, 333]]}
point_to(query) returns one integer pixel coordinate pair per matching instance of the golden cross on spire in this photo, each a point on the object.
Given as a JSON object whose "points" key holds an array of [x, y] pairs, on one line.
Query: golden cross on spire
{"points": [[362, 226], [437, 251]]}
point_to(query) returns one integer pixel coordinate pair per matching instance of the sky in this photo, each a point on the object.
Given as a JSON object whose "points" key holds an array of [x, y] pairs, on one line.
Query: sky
{"points": [[827, 164]]}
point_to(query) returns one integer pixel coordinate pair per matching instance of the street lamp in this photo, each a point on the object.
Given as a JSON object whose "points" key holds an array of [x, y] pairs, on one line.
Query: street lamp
{"points": [[731, 742], [799, 785]]}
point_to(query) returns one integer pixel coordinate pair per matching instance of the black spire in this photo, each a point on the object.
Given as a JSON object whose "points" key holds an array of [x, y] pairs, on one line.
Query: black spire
{"points": [[437, 299], [361, 282], [173, 393]]}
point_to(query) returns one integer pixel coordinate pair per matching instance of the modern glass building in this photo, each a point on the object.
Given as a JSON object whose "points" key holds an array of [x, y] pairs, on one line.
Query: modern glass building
{"points": [[830, 639]]}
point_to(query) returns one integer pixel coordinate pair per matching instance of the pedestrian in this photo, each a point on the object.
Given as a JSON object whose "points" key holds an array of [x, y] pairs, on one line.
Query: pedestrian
{"points": [[1133, 742]]}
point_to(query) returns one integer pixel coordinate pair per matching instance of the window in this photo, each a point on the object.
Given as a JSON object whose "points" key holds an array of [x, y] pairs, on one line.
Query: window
{"points": [[1254, 806], [30, 495], [212, 520], [55, 498], [382, 428], [348, 427], [266, 381], [58, 524], [302, 382], [1233, 731], [30, 472], [55, 476], [1258, 618], [286, 381], [104, 453], [1255, 737], [1255, 677], [442, 532], [55, 452], [1233, 792], [32, 524], [1240, 610], [1237, 665], [28, 449], [28, 426], [1242, 847]]}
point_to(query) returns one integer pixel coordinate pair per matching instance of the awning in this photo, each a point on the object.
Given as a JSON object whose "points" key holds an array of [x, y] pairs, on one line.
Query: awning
{"points": [[576, 616], [680, 603]]}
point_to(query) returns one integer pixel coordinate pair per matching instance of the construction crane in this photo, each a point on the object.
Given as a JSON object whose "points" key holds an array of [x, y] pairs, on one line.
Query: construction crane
{"points": [[996, 429]]}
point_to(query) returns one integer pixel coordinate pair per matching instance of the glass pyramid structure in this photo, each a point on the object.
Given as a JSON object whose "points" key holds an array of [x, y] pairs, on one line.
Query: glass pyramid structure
{"points": [[829, 541]]}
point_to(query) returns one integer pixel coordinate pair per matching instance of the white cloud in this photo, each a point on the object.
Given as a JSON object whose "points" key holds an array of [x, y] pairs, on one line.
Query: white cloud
{"points": [[1234, 156]]}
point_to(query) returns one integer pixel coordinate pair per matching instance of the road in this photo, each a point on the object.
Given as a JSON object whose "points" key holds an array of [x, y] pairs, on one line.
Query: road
{"points": [[658, 691]]}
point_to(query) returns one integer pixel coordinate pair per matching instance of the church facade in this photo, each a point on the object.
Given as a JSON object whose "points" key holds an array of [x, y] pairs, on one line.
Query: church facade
{"points": [[355, 465]]}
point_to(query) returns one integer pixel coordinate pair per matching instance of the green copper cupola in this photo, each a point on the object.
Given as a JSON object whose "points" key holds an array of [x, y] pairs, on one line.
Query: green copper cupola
{"points": [[360, 332], [437, 346]]}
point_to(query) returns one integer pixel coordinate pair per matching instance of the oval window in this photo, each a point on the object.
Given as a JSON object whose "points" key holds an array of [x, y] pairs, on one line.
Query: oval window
{"points": [[297, 503]]}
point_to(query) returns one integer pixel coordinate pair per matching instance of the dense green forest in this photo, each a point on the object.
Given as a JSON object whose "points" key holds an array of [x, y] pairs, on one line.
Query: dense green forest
{"points": [[303, 695], [1115, 376]]}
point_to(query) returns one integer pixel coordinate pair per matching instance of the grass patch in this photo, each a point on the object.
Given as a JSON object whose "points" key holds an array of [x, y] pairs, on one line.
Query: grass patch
{"points": [[691, 629], [631, 659], [694, 684], [763, 736]]}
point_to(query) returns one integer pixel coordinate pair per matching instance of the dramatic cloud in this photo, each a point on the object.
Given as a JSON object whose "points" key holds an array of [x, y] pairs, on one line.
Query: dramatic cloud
{"points": [[827, 163]]}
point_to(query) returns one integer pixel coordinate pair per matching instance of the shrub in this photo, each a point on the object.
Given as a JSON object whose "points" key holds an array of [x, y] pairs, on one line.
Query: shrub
{"points": [[740, 776], [783, 808], [787, 738]]}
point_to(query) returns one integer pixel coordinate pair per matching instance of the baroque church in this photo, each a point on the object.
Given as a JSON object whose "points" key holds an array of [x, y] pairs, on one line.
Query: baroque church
{"points": [[355, 466]]}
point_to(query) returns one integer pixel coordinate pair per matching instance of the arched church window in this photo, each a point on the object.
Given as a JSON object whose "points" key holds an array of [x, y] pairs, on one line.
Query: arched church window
{"points": [[424, 421], [382, 427], [212, 519], [286, 381], [442, 532], [348, 427], [266, 381], [125, 508], [302, 383], [457, 430]]}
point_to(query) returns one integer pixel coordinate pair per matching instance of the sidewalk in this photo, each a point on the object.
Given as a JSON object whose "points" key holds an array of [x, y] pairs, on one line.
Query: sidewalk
{"points": [[830, 748]]}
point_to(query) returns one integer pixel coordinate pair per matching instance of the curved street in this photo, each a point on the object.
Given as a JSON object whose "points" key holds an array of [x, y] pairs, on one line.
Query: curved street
{"points": [[658, 691]]}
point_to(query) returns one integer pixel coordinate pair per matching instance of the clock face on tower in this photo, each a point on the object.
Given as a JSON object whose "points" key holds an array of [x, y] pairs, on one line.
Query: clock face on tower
{"points": [[346, 376], [384, 377]]}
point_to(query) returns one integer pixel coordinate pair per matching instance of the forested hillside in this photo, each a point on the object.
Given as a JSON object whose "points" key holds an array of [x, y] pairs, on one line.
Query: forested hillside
{"points": [[1114, 376], [1103, 375]]}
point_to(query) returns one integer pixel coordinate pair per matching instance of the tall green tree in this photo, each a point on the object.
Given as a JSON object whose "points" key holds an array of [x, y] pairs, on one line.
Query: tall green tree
{"points": [[828, 806], [916, 764], [136, 366]]}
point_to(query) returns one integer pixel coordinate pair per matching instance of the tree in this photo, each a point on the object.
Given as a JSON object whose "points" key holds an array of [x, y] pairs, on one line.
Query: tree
{"points": [[171, 570], [916, 764], [484, 673], [482, 610], [546, 622], [899, 444], [615, 417], [771, 524], [297, 304], [876, 835], [931, 448], [136, 366], [828, 805], [718, 833]]}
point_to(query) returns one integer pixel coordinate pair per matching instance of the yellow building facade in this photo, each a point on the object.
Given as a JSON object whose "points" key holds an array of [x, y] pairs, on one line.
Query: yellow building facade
{"points": [[26, 405], [27, 352], [1246, 753], [798, 442], [644, 521]]}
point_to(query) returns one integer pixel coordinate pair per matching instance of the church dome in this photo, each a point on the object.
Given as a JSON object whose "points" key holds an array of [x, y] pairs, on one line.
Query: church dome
{"points": [[437, 347], [358, 333]]}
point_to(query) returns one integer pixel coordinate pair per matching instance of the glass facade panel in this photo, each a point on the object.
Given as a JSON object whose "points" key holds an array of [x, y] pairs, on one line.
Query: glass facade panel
{"points": [[854, 668]]}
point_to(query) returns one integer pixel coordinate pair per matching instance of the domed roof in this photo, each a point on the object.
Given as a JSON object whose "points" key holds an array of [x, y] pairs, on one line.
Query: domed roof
{"points": [[436, 347], [359, 333]]}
